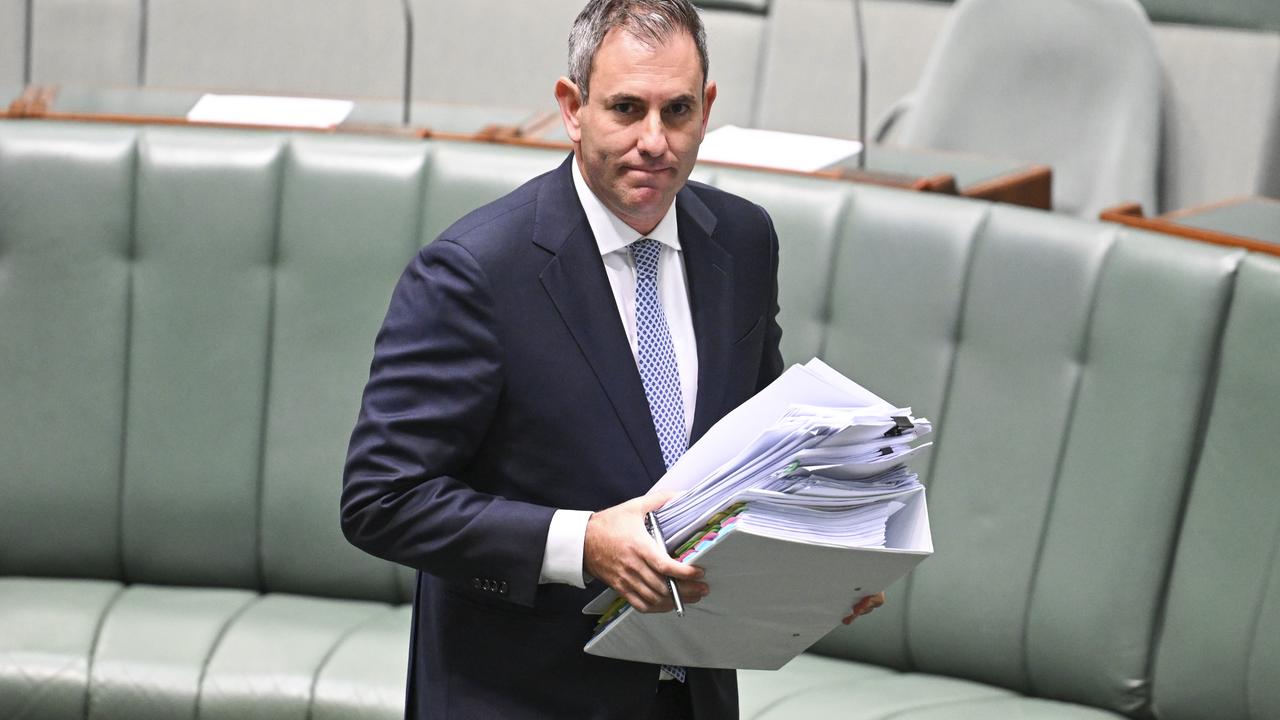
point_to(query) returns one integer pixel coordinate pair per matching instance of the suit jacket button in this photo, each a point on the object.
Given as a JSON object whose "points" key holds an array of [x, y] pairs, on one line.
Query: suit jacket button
{"points": [[475, 583], [502, 588]]}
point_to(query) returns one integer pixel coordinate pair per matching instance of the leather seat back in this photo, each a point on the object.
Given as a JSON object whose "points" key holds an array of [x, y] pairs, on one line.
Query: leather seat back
{"points": [[196, 311], [1048, 350], [1219, 655]]}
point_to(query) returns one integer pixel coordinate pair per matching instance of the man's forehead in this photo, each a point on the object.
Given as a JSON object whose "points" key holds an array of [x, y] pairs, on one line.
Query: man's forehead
{"points": [[639, 64]]}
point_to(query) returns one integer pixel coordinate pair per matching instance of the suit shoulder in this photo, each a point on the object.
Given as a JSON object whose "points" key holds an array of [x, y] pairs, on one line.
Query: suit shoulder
{"points": [[726, 204], [497, 219]]}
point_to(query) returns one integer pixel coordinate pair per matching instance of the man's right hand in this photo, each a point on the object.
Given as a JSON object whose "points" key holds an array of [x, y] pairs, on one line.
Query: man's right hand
{"points": [[619, 550]]}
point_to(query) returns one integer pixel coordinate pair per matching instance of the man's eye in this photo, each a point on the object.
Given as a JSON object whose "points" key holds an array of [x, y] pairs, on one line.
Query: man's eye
{"points": [[679, 109], [625, 108]]}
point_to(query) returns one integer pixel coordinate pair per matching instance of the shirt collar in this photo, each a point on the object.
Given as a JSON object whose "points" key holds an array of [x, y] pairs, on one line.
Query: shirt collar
{"points": [[612, 234]]}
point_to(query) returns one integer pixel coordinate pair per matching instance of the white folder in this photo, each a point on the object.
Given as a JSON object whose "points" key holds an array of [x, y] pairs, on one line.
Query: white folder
{"points": [[770, 598]]}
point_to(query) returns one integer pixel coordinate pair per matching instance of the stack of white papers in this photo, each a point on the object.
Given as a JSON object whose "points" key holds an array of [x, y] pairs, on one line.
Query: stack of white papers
{"points": [[818, 510], [843, 450]]}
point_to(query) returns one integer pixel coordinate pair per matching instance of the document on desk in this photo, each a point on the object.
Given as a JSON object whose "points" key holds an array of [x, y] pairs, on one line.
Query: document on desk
{"points": [[817, 510], [775, 149], [270, 110]]}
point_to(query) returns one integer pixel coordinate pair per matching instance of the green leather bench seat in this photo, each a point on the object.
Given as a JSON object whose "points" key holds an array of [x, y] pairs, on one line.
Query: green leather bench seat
{"points": [[188, 318], [813, 686], [77, 648]]}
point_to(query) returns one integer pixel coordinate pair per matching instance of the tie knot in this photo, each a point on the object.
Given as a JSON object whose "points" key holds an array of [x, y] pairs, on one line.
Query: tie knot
{"points": [[645, 252]]}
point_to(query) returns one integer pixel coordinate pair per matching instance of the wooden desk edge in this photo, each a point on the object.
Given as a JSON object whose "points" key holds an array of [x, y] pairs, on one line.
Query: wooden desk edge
{"points": [[1130, 214], [1031, 187]]}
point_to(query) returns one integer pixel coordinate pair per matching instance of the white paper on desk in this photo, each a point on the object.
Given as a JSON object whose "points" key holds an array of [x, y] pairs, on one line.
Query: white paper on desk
{"points": [[771, 598], [270, 110], [771, 148]]}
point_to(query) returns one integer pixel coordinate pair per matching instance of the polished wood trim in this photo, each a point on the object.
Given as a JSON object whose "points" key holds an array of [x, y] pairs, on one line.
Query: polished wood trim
{"points": [[1130, 214], [125, 119], [538, 124], [1217, 205], [1130, 209], [944, 184], [21, 106], [36, 102], [1032, 187]]}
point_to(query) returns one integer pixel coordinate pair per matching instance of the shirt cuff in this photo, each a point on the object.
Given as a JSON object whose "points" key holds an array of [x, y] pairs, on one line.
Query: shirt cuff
{"points": [[562, 560]]}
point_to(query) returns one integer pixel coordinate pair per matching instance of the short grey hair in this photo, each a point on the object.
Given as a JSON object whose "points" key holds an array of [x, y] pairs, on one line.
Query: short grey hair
{"points": [[650, 21]]}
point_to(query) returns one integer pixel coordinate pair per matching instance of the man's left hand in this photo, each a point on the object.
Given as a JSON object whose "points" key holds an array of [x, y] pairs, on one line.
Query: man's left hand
{"points": [[864, 606]]}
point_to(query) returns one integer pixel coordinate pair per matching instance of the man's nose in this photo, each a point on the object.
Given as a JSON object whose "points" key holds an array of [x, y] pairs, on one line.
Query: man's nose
{"points": [[653, 136]]}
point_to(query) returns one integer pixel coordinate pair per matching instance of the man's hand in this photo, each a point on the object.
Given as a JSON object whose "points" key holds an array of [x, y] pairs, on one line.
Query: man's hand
{"points": [[619, 551], [864, 606]]}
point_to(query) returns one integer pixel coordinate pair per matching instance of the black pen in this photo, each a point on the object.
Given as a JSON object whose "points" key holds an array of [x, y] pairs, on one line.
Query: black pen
{"points": [[656, 532]]}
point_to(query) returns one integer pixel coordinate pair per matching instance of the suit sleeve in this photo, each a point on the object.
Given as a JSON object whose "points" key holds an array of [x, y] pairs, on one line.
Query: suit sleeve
{"points": [[434, 386], [771, 361]]}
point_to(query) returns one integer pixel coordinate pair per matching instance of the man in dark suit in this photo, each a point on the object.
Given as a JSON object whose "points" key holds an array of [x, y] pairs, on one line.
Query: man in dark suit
{"points": [[540, 366]]}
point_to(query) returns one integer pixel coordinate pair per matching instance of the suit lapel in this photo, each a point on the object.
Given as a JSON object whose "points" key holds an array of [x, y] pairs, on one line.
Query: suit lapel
{"points": [[709, 269], [575, 280]]}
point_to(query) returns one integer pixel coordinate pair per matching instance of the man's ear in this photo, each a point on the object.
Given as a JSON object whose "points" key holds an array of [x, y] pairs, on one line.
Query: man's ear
{"points": [[708, 97], [570, 101]]}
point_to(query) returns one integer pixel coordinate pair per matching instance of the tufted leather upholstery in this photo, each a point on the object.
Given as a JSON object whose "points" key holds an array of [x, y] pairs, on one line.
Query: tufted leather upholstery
{"points": [[188, 318]]}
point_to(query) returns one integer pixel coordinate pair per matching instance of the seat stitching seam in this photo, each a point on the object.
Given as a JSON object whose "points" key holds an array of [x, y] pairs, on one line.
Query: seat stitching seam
{"points": [[333, 650], [1082, 360]]}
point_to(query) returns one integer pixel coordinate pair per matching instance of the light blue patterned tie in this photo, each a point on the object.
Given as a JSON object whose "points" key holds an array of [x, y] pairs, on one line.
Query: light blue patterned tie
{"points": [[656, 358], [656, 355]]}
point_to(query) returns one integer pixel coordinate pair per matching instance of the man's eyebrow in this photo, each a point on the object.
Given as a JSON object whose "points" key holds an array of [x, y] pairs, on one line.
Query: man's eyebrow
{"points": [[687, 98], [622, 98]]}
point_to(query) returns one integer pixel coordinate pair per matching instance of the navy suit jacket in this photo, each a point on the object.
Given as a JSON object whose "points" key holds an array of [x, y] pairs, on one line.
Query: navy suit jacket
{"points": [[503, 387]]}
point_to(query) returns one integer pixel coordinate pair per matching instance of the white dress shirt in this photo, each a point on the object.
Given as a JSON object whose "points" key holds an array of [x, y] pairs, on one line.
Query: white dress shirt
{"points": [[562, 560]]}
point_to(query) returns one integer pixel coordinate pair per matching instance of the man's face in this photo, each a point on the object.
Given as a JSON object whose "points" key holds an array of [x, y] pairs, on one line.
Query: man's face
{"points": [[637, 137]]}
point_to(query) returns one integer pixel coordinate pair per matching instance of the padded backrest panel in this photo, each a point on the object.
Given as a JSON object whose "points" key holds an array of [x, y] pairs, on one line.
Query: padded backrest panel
{"points": [[809, 82], [463, 176], [1008, 79], [1012, 387], [1038, 480], [13, 46], [1257, 14], [86, 41], [1135, 424], [348, 48], [807, 215], [349, 219], [898, 286], [735, 43], [66, 223], [1210, 153], [1269, 175], [207, 205], [1219, 655], [208, 300], [524, 50]]}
